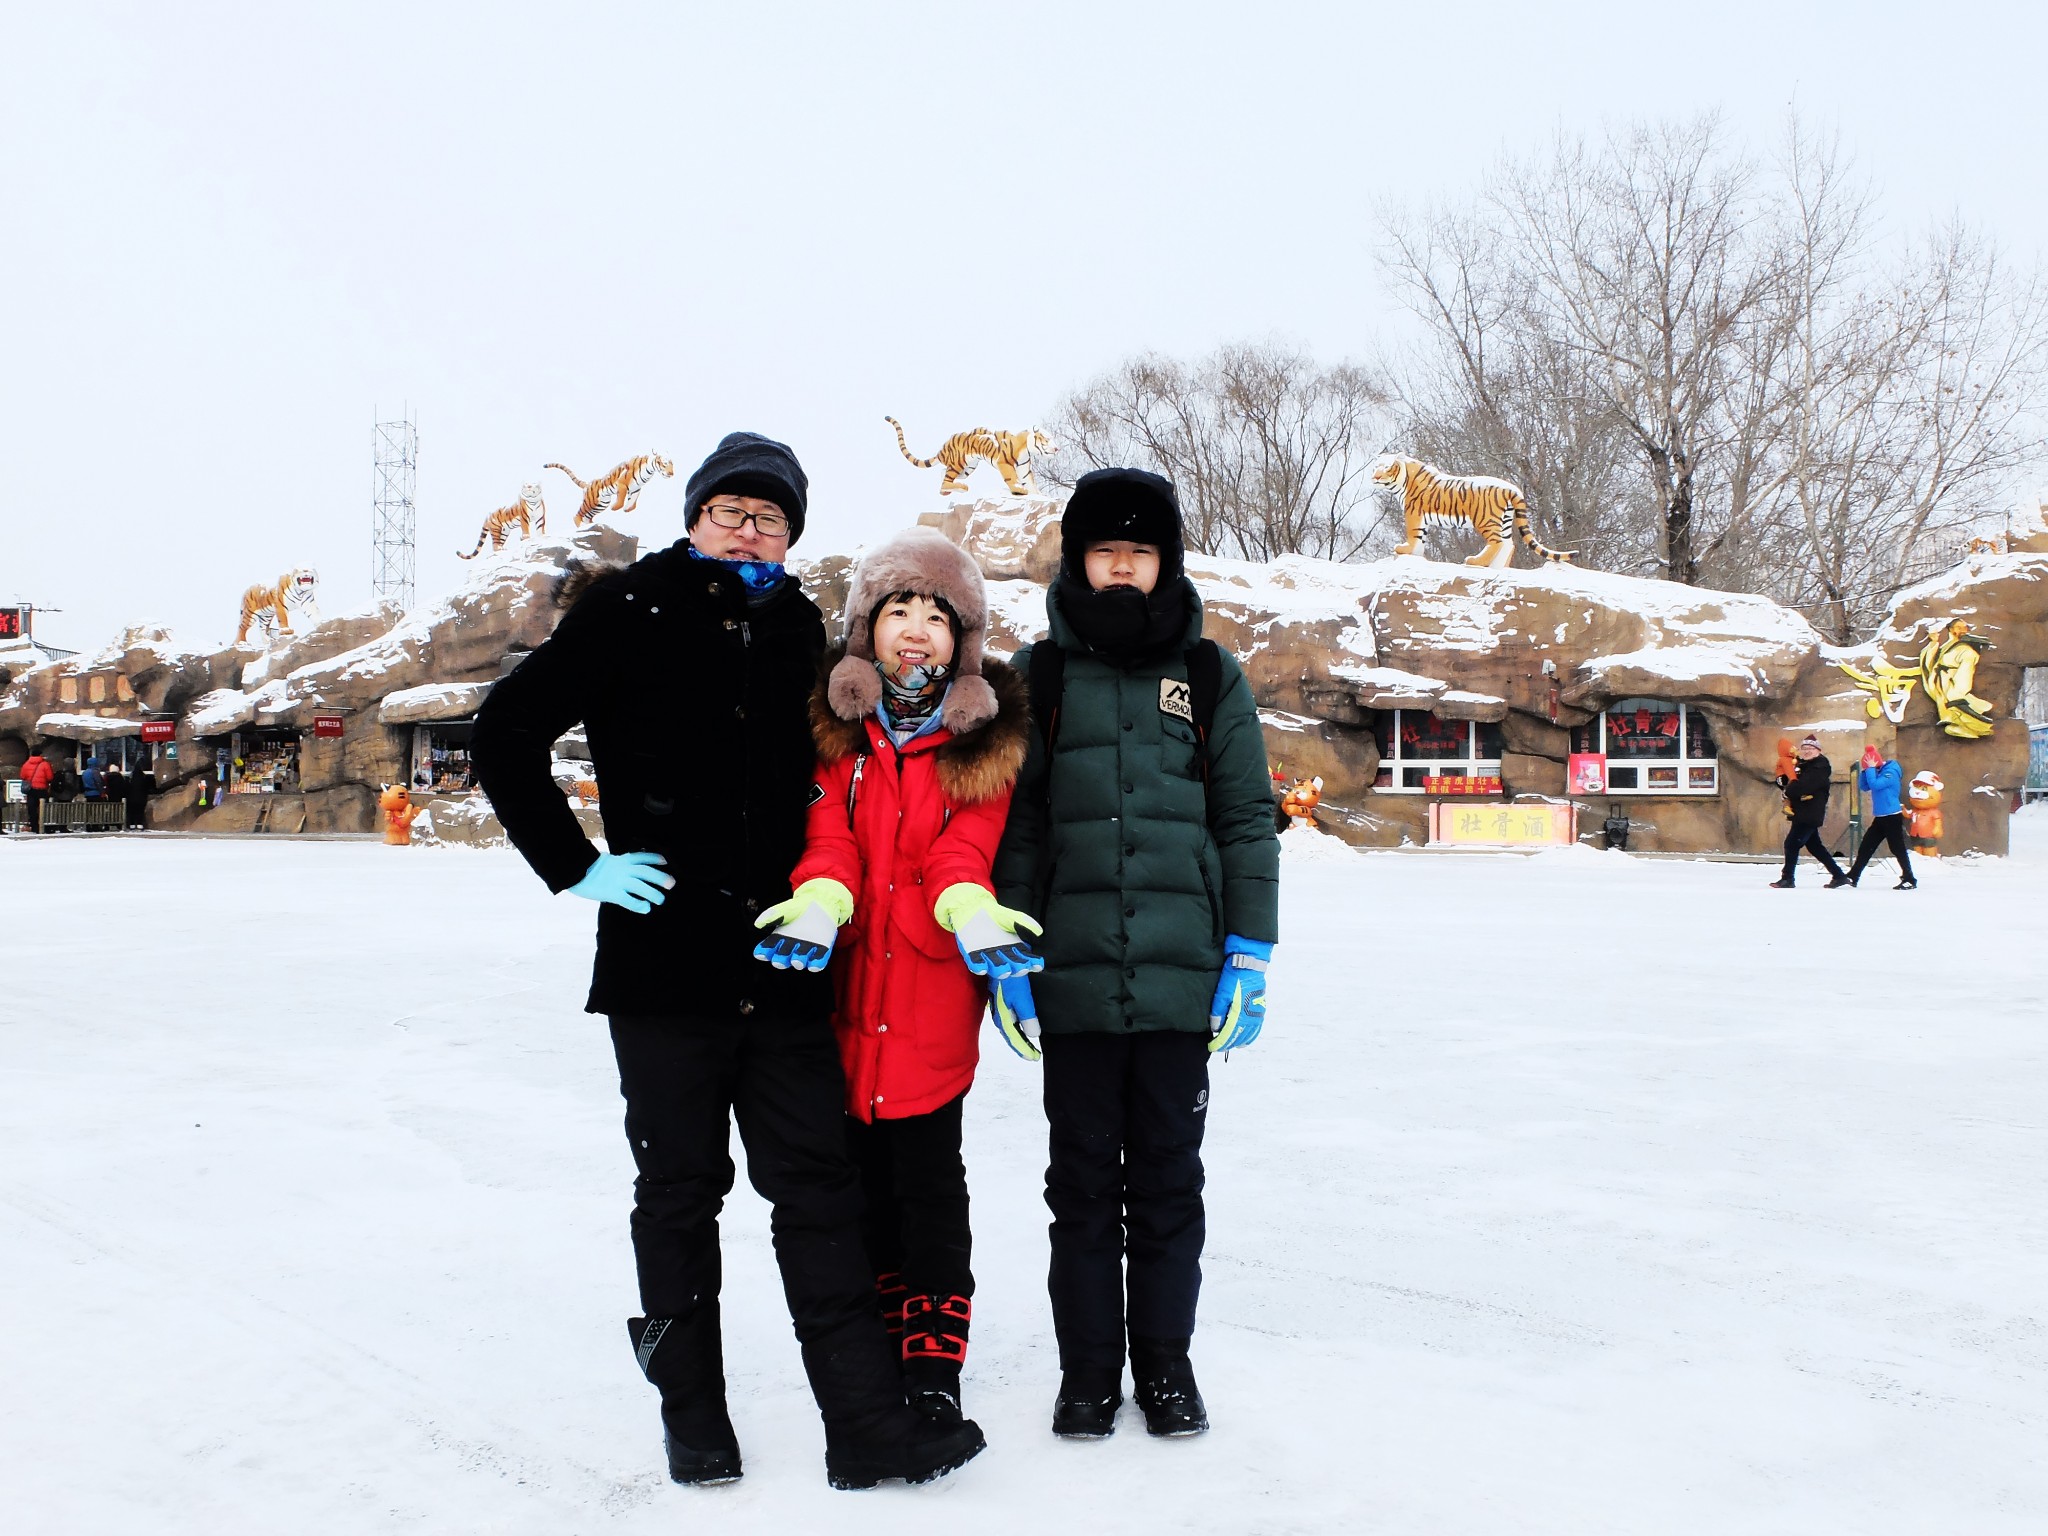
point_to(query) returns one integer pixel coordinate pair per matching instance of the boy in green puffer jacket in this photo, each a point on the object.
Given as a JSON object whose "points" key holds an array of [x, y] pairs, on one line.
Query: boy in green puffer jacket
{"points": [[1141, 835]]}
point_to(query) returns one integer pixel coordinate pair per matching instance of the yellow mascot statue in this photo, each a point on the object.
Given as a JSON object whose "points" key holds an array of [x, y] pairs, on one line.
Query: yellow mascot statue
{"points": [[1923, 813], [399, 812], [1299, 804]]}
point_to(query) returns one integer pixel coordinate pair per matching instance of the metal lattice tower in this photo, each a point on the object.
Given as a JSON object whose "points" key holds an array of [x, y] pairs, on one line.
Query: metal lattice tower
{"points": [[395, 446]]}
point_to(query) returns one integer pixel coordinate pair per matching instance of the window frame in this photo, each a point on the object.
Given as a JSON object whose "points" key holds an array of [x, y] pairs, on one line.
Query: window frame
{"points": [[1688, 764], [1470, 766]]}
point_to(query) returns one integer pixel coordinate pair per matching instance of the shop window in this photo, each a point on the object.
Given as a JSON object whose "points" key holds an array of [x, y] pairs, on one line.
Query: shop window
{"points": [[1417, 746], [1653, 747], [263, 763], [440, 758]]}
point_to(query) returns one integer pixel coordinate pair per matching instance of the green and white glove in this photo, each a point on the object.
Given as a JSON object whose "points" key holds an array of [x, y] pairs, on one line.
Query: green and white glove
{"points": [[806, 926]]}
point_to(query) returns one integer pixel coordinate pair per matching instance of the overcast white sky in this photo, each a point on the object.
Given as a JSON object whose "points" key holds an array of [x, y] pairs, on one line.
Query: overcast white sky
{"points": [[230, 234]]}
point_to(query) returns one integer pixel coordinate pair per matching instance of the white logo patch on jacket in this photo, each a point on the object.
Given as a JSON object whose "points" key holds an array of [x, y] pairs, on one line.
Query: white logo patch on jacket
{"points": [[1177, 699]]}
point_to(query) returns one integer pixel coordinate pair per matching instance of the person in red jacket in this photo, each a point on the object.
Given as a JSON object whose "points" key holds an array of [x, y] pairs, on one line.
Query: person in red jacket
{"points": [[919, 741], [36, 778]]}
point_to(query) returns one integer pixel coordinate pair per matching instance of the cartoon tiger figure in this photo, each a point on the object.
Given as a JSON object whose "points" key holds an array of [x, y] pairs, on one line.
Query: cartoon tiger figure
{"points": [[529, 512], [618, 491], [1009, 452], [296, 591], [1479, 502]]}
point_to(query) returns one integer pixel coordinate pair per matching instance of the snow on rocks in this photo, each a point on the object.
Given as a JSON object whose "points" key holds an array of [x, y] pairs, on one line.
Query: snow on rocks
{"points": [[432, 701]]}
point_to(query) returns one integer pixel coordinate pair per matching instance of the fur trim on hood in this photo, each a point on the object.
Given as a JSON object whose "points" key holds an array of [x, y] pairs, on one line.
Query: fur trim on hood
{"points": [[924, 561], [979, 763], [571, 586]]}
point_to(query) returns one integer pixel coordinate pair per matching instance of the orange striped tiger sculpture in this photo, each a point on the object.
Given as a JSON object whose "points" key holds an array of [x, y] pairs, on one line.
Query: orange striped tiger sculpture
{"points": [[529, 512], [272, 607], [1009, 452], [1490, 508], [618, 491]]}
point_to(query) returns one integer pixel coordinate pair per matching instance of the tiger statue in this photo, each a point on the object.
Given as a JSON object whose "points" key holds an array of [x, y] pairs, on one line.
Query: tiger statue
{"points": [[1992, 546], [529, 512], [1009, 452], [296, 591], [1479, 502], [618, 491]]}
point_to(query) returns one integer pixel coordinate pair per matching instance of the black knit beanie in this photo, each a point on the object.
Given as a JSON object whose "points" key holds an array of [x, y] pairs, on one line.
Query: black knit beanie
{"points": [[1132, 504], [748, 464]]}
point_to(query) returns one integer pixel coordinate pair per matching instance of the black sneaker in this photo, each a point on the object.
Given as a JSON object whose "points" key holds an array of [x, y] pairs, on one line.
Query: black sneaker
{"points": [[1087, 1404], [1837, 883], [1782, 885], [1907, 884], [1173, 1405]]}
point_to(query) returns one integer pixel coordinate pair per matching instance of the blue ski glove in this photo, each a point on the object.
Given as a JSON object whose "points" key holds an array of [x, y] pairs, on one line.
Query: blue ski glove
{"points": [[1016, 1015], [1238, 1012], [806, 926], [635, 881], [987, 932]]}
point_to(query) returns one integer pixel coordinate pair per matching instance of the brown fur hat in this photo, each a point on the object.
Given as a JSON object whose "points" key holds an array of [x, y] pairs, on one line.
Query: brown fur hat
{"points": [[924, 561]]}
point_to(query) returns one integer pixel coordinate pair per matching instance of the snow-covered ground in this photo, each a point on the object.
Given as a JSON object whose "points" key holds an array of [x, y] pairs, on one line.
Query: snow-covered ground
{"points": [[1564, 1193]]}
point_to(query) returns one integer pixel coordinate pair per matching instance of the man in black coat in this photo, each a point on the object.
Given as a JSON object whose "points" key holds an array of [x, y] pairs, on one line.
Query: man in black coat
{"points": [[1806, 793], [691, 673]]}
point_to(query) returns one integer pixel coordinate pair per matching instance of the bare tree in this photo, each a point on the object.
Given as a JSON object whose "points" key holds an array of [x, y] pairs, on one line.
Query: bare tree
{"points": [[1269, 450], [1705, 367]]}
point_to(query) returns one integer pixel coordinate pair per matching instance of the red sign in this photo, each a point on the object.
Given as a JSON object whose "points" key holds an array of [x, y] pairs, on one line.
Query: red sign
{"points": [[1586, 773], [327, 725], [159, 730], [11, 627]]}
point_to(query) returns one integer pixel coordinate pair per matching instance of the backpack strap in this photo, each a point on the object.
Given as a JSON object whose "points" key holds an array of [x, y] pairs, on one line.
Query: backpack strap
{"points": [[1205, 686], [1047, 682]]}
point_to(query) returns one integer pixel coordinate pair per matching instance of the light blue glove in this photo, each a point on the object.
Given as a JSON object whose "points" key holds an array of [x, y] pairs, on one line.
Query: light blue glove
{"points": [[1016, 1014], [1238, 1011], [634, 881]]}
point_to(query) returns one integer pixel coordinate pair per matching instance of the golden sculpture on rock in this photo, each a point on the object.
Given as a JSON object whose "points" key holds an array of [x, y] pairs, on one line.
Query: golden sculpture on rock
{"points": [[1009, 452], [1947, 668], [1493, 509]]}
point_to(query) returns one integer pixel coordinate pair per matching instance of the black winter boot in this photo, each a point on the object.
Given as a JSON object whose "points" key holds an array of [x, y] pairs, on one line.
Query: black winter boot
{"points": [[870, 1435], [934, 1350], [1088, 1401], [683, 1358], [1164, 1384]]}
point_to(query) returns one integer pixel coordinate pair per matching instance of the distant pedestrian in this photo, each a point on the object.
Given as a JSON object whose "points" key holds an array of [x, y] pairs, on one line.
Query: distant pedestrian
{"points": [[1882, 781], [36, 778], [95, 779], [1806, 792], [141, 784]]}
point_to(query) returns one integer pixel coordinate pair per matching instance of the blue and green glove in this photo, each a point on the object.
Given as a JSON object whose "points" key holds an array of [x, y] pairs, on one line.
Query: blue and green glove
{"points": [[635, 881], [1238, 1011], [806, 926], [986, 932], [1016, 1015]]}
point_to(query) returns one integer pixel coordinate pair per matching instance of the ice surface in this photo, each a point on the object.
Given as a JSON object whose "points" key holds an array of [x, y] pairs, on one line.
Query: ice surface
{"points": [[1542, 1223]]}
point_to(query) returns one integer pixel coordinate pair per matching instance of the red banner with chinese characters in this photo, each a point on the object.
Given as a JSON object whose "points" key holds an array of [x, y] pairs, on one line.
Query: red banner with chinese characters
{"points": [[159, 730], [327, 725]]}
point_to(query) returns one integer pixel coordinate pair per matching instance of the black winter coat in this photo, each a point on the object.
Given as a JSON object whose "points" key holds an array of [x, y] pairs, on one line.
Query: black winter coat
{"points": [[1807, 791], [696, 707]]}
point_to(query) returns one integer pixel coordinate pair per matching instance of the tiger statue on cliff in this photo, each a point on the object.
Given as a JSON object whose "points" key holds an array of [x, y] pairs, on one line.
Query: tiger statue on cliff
{"points": [[1489, 507], [1009, 452], [618, 491], [529, 512], [272, 607]]}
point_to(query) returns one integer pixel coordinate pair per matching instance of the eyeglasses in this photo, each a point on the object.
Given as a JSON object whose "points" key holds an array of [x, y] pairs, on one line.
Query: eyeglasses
{"points": [[770, 525]]}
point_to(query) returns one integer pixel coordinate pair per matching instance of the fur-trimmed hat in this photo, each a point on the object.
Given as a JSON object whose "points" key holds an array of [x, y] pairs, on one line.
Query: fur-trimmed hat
{"points": [[924, 561]]}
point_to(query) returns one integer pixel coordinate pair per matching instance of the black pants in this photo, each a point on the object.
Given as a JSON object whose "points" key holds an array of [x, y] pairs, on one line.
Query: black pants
{"points": [[914, 1188], [1808, 838], [1125, 1189], [684, 1080], [1892, 829], [37, 798]]}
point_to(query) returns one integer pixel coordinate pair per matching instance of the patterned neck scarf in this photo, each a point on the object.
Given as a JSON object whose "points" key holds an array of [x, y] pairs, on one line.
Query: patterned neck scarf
{"points": [[762, 578], [911, 696]]}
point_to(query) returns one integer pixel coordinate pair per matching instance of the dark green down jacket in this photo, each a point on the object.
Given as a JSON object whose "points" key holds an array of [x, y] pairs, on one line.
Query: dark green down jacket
{"points": [[1136, 871]]}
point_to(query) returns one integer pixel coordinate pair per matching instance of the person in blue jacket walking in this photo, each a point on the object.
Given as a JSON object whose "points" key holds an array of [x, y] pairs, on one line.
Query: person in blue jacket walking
{"points": [[1881, 780]]}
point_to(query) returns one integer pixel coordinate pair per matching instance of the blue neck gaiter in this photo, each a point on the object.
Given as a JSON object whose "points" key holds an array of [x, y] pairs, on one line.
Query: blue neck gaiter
{"points": [[762, 578]]}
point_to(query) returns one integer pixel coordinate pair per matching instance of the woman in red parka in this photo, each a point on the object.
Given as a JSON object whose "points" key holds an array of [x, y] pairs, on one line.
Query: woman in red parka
{"points": [[919, 741]]}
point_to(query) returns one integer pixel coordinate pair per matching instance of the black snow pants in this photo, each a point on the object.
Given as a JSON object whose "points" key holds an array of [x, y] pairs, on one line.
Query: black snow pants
{"points": [[1808, 838], [1125, 1189], [1892, 830], [684, 1081], [37, 799], [914, 1187]]}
